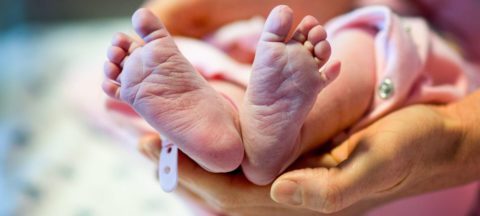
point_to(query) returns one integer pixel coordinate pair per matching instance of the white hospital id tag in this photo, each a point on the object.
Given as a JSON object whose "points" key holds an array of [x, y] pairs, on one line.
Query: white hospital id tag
{"points": [[167, 166]]}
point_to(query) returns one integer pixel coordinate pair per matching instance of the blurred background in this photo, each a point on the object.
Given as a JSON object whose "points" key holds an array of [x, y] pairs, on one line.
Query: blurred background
{"points": [[60, 153]]}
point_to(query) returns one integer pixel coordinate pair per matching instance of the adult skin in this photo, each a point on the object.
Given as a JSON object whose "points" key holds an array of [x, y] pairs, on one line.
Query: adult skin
{"points": [[411, 151], [197, 18]]}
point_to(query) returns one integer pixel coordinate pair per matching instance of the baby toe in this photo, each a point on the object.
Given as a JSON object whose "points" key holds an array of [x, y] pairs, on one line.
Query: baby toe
{"points": [[330, 72], [122, 40], [278, 24], [301, 33], [317, 34], [148, 26], [111, 89], [111, 70], [322, 52], [116, 54]]}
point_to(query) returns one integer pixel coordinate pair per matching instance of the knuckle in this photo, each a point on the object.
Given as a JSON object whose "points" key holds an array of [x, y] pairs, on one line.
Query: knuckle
{"points": [[327, 199], [331, 199]]}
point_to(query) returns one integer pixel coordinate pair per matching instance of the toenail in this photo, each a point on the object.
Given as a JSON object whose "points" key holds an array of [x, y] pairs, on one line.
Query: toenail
{"points": [[308, 45], [299, 37], [386, 89]]}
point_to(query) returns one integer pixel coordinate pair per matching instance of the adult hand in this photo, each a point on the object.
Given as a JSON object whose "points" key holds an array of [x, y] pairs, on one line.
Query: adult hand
{"points": [[198, 18], [194, 18], [409, 152], [228, 193], [412, 151]]}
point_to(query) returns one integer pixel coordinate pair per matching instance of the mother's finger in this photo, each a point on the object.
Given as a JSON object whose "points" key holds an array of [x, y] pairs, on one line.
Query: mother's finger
{"points": [[228, 190], [367, 172]]}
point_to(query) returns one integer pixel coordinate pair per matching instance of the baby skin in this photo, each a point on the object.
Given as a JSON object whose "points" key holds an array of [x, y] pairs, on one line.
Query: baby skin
{"points": [[163, 87]]}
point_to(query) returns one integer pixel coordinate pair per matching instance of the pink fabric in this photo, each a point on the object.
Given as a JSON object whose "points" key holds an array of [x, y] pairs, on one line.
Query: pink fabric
{"points": [[211, 62], [422, 68], [476, 209], [457, 18], [453, 201]]}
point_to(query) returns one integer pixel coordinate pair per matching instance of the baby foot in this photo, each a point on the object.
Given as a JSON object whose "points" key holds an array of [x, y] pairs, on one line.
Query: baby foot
{"points": [[164, 88], [283, 88]]}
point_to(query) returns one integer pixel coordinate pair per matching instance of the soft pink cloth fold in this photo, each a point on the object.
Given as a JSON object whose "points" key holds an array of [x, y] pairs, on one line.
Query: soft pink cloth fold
{"points": [[420, 66], [458, 19]]}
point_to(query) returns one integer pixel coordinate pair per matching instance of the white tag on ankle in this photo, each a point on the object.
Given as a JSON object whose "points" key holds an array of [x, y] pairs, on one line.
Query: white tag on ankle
{"points": [[167, 166]]}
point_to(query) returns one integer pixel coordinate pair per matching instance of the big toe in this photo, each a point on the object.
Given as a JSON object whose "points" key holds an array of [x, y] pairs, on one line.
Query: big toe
{"points": [[147, 25], [278, 24]]}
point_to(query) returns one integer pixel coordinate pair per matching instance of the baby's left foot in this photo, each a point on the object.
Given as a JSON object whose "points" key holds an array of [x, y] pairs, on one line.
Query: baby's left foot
{"points": [[283, 88]]}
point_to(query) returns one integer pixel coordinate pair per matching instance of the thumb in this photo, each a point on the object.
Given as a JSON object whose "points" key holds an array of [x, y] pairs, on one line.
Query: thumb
{"points": [[329, 190]]}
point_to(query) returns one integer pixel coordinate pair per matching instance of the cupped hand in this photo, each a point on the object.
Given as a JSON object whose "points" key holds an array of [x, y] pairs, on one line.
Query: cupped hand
{"points": [[409, 152], [228, 193], [412, 151]]}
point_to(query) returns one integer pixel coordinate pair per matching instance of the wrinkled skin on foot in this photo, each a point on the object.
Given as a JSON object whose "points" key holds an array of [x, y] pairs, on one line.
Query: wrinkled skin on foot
{"points": [[164, 88], [283, 87]]}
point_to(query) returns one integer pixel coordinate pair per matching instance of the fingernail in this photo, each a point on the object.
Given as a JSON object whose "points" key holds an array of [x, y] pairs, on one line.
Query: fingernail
{"points": [[205, 167], [287, 192]]}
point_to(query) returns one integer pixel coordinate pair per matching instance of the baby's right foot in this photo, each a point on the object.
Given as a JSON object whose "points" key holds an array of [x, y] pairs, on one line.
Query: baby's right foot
{"points": [[283, 88], [164, 88]]}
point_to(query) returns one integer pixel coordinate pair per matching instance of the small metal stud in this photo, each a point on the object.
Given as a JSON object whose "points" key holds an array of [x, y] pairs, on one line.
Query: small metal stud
{"points": [[386, 89]]}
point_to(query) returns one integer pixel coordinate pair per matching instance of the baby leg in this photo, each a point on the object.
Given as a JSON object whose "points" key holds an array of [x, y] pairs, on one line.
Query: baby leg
{"points": [[346, 100]]}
